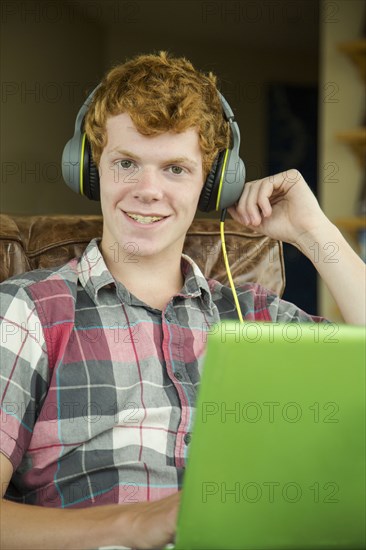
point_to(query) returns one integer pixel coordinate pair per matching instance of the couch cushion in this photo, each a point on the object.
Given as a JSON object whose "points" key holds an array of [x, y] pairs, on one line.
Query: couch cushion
{"points": [[51, 241]]}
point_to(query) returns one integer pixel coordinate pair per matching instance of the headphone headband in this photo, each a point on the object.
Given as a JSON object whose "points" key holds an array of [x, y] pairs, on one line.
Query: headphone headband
{"points": [[223, 186]]}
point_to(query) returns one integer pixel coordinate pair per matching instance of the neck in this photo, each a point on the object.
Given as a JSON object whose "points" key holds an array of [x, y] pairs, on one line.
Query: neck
{"points": [[153, 280]]}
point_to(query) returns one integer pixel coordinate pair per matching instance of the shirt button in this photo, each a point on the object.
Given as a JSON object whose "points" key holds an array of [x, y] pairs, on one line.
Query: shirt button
{"points": [[187, 438], [178, 376]]}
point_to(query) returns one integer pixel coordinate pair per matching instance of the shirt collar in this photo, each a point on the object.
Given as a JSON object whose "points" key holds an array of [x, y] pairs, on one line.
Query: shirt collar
{"points": [[92, 270], [94, 275], [195, 283], [194, 280]]}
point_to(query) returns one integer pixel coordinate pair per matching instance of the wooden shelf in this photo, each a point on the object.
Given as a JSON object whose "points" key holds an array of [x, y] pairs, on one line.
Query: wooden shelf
{"points": [[356, 50], [352, 224], [356, 139]]}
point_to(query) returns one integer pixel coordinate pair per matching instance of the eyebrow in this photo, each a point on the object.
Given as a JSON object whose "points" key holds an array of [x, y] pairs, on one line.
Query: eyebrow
{"points": [[175, 160]]}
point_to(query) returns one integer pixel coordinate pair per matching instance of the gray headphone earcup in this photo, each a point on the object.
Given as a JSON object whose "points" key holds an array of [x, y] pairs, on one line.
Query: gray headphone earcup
{"points": [[208, 197], [91, 185], [232, 185], [234, 181], [71, 158], [70, 163]]}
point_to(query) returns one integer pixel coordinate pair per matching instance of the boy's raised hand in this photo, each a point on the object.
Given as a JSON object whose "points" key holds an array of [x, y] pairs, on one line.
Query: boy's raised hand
{"points": [[281, 206]]}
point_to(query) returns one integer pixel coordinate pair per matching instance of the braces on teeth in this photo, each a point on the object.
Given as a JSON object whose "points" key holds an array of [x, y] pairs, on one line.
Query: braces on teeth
{"points": [[144, 219]]}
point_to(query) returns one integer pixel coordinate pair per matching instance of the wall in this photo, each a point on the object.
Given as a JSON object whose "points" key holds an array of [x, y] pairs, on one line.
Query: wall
{"points": [[48, 62], [341, 107]]}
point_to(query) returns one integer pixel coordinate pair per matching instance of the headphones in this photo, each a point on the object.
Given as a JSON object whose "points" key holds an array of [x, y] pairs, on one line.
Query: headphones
{"points": [[223, 186]]}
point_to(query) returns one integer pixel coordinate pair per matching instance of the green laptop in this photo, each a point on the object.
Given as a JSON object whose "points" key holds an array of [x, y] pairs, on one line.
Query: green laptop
{"points": [[277, 457]]}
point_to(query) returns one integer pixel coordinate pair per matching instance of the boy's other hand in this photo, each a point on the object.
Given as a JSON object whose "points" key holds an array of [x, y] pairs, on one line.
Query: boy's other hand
{"points": [[153, 524]]}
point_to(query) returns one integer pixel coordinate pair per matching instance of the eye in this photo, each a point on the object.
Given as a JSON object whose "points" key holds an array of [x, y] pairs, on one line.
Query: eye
{"points": [[177, 169], [125, 164]]}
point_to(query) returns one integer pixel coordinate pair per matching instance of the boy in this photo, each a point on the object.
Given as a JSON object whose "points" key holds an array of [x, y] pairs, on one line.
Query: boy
{"points": [[89, 419]]}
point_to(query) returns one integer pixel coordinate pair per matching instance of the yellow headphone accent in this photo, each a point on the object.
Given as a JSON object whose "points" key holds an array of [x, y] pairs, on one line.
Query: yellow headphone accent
{"points": [[221, 179], [82, 164]]}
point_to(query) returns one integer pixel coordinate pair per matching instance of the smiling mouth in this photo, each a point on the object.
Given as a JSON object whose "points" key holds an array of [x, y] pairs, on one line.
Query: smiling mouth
{"points": [[144, 219]]}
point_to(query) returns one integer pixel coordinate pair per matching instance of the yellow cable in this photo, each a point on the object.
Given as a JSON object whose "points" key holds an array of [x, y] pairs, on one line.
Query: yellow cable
{"points": [[229, 272]]}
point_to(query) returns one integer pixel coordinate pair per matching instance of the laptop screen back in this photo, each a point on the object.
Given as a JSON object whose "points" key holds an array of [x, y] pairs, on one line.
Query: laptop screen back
{"points": [[277, 457]]}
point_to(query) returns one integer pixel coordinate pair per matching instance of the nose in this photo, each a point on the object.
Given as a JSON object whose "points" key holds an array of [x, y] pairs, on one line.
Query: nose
{"points": [[147, 187]]}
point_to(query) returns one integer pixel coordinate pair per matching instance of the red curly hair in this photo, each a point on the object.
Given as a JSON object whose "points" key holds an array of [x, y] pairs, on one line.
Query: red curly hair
{"points": [[161, 94]]}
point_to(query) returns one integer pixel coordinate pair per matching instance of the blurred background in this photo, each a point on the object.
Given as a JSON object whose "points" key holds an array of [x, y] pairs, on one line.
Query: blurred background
{"points": [[292, 70]]}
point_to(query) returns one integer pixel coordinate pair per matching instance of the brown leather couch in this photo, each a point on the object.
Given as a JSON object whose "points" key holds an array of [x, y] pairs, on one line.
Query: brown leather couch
{"points": [[31, 242]]}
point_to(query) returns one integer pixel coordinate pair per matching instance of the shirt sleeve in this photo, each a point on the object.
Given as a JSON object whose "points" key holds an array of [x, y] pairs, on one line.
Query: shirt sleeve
{"points": [[23, 369]]}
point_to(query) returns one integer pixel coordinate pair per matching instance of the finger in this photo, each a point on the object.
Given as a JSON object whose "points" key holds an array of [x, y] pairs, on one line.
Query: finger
{"points": [[252, 209], [257, 204], [236, 214], [263, 201], [284, 180], [240, 211], [242, 208]]}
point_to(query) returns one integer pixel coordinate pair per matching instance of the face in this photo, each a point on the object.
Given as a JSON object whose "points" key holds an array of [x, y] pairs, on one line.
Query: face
{"points": [[149, 189]]}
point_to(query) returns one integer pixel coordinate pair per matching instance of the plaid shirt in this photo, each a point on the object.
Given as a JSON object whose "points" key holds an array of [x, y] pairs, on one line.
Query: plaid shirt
{"points": [[98, 389]]}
